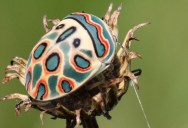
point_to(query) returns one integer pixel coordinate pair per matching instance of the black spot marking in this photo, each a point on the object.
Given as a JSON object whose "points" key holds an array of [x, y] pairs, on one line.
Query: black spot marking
{"points": [[81, 62], [41, 91], [52, 62], [66, 34], [66, 86], [40, 50], [60, 26], [28, 79], [76, 42], [101, 47]]}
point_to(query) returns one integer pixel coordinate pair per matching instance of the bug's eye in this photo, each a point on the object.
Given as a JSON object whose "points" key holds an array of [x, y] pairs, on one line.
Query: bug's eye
{"points": [[60, 26]]}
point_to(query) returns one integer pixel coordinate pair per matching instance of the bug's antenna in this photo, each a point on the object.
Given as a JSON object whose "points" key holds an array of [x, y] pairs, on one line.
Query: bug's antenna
{"points": [[141, 106]]}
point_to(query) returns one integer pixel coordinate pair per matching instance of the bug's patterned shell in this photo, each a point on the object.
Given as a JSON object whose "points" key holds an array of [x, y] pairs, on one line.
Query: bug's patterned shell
{"points": [[74, 51]]}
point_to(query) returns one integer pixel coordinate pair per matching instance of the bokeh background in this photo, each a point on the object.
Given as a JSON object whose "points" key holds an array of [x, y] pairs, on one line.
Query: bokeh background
{"points": [[163, 46]]}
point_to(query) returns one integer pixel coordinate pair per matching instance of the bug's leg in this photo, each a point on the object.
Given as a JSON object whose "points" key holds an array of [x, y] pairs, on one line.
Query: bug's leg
{"points": [[42, 116], [114, 20], [78, 120], [10, 76], [113, 82], [107, 15], [19, 105], [133, 76], [19, 61], [99, 98], [62, 110], [15, 96], [111, 20], [45, 23], [125, 56], [54, 21], [128, 38], [17, 69], [25, 101], [65, 110]]}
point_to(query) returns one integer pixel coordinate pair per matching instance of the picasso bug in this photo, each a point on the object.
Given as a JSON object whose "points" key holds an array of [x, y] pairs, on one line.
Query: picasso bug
{"points": [[76, 49], [75, 71]]}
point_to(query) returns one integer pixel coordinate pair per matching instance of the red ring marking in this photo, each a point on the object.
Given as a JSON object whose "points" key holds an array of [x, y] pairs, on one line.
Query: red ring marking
{"points": [[46, 72], [29, 84], [72, 84], [88, 19], [39, 59], [78, 68], [37, 89]]}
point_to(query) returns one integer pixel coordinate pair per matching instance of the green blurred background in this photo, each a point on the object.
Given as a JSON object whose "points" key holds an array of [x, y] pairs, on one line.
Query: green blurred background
{"points": [[163, 46]]}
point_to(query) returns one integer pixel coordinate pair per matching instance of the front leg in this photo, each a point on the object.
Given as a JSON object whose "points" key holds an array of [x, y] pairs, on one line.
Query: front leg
{"points": [[45, 23], [24, 101], [78, 120], [17, 69], [100, 100]]}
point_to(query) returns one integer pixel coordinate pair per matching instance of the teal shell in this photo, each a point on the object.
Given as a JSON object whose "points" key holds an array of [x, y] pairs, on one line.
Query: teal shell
{"points": [[74, 51]]}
